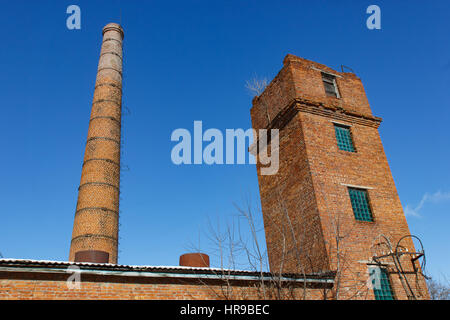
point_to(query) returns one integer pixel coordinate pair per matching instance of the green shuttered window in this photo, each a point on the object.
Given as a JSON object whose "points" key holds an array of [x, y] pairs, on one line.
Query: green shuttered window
{"points": [[360, 204], [344, 138]]}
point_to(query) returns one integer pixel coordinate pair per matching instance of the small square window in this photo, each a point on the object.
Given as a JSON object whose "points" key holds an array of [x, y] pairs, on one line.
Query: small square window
{"points": [[382, 288], [360, 204], [344, 138], [329, 82]]}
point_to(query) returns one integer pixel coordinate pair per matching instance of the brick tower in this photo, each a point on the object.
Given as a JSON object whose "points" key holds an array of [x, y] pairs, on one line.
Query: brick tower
{"points": [[95, 229], [332, 205]]}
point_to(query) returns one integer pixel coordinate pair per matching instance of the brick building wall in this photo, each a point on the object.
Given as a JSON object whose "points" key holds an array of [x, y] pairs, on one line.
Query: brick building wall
{"points": [[310, 190], [110, 290], [22, 280]]}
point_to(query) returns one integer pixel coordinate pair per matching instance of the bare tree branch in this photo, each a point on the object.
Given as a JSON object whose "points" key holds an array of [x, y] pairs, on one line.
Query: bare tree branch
{"points": [[256, 85], [438, 290]]}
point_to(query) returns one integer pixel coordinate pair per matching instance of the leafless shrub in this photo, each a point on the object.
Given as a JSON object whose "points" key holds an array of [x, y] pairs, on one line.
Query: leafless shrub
{"points": [[238, 245], [438, 290], [256, 85]]}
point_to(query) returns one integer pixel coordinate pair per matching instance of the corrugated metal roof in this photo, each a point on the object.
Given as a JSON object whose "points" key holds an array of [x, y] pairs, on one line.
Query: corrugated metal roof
{"points": [[42, 264], [111, 266]]}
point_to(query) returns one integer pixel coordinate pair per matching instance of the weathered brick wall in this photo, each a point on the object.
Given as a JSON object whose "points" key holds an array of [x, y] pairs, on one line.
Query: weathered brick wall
{"points": [[33, 289], [368, 167], [308, 85], [313, 170], [299, 78], [104, 288], [277, 95], [289, 208]]}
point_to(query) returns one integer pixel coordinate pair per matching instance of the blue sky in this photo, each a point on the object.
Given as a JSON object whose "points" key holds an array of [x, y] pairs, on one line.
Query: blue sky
{"points": [[187, 61]]}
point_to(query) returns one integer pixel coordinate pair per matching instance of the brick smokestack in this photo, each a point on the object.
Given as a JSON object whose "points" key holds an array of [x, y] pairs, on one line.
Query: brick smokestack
{"points": [[96, 225]]}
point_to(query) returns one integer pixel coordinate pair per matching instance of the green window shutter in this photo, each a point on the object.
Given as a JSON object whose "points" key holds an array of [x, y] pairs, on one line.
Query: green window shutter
{"points": [[360, 204], [382, 288], [344, 138]]}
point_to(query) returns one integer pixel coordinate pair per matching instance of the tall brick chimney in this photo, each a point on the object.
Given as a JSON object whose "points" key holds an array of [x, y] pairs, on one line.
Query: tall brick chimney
{"points": [[95, 229]]}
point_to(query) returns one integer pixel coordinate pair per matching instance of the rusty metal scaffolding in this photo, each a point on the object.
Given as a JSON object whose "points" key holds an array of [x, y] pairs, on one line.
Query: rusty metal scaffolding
{"points": [[385, 251]]}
